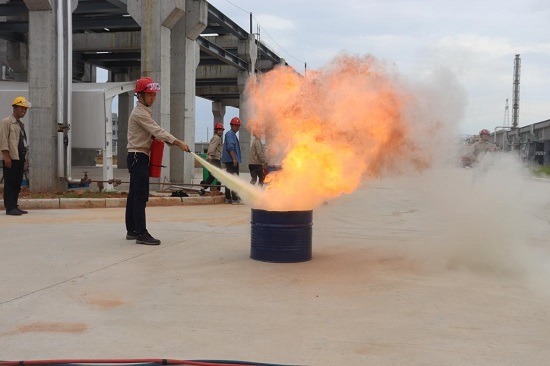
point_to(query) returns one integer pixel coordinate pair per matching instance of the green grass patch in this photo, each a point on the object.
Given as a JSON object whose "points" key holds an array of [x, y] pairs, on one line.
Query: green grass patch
{"points": [[542, 171]]}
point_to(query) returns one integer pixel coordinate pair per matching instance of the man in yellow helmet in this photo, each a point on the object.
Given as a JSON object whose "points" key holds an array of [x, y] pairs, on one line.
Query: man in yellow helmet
{"points": [[13, 143]]}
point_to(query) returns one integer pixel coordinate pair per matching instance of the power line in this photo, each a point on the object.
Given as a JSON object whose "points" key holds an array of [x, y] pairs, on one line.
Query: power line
{"points": [[265, 31], [278, 45], [238, 7]]}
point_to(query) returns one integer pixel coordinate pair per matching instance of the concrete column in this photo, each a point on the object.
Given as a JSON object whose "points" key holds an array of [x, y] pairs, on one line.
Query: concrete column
{"points": [[125, 107], [218, 110], [245, 137], [249, 51], [43, 86], [16, 56], [185, 58], [156, 19]]}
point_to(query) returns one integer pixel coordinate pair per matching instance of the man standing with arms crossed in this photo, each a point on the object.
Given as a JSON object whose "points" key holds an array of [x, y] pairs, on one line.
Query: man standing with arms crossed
{"points": [[13, 142], [231, 157], [141, 129], [213, 156]]}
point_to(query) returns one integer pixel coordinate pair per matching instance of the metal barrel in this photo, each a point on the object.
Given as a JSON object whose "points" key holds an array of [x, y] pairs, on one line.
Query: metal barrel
{"points": [[281, 236]]}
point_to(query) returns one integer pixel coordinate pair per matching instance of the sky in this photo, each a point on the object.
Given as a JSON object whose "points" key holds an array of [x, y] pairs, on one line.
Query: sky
{"points": [[474, 41]]}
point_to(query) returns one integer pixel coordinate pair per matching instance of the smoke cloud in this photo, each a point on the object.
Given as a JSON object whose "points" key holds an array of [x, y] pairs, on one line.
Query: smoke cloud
{"points": [[353, 120]]}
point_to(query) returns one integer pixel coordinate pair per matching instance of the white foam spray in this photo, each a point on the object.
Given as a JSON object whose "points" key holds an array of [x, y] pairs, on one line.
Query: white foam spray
{"points": [[248, 193]]}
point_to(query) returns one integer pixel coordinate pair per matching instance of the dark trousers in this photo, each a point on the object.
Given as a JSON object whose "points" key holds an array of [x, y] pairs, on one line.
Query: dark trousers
{"points": [[256, 173], [13, 177], [231, 170], [138, 166], [211, 178]]}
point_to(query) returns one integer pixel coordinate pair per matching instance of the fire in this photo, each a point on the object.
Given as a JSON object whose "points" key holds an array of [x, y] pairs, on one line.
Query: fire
{"points": [[328, 130]]}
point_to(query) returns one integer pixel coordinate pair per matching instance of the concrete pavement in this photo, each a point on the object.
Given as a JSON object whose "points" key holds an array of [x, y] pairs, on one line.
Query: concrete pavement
{"points": [[404, 272]]}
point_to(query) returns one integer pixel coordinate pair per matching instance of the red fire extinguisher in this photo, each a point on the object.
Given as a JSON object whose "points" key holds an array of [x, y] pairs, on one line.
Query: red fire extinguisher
{"points": [[155, 161]]}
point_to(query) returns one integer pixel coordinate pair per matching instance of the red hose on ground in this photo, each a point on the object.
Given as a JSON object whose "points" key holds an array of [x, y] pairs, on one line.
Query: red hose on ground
{"points": [[116, 361]]}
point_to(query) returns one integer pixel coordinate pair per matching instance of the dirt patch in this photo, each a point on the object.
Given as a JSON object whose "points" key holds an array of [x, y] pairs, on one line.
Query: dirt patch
{"points": [[26, 194], [90, 193]]}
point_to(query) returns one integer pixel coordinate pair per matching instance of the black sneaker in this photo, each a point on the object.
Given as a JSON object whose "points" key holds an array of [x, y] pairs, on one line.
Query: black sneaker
{"points": [[14, 212], [147, 239], [22, 211], [131, 236], [202, 192]]}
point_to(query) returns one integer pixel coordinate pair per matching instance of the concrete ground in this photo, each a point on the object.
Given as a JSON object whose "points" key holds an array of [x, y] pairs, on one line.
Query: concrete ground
{"points": [[404, 272]]}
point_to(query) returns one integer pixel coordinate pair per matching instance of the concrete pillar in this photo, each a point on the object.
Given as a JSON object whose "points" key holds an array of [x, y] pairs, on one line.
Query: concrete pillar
{"points": [[245, 137], [185, 56], [43, 86], [249, 51], [16, 56], [125, 107], [156, 19], [218, 110]]}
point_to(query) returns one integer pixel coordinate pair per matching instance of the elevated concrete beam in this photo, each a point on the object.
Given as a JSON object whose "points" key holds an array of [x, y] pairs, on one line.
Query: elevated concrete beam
{"points": [[221, 54], [217, 90], [228, 102], [116, 41], [265, 64], [227, 41], [217, 72]]}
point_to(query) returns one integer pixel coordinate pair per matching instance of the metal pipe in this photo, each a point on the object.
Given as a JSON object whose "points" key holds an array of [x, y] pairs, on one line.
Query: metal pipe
{"points": [[64, 91], [60, 122], [69, 87]]}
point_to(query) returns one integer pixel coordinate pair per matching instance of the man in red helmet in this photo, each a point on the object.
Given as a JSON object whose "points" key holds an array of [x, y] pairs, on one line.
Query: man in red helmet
{"points": [[231, 156], [480, 148], [214, 155], [141, 129]]}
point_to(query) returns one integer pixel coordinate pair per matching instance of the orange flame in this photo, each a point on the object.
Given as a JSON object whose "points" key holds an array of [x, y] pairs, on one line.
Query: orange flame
{"points": [[328, 130]]}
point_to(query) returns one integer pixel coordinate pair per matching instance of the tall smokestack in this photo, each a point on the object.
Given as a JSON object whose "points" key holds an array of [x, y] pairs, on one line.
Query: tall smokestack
{"points": [[515, 105]]}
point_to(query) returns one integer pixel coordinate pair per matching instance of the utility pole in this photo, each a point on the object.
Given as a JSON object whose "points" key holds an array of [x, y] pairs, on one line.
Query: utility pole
{"points": [[515, 103]]}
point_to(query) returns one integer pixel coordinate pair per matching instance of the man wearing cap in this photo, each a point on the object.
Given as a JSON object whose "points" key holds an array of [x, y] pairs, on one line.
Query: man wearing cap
{"points": [[13, 142], [141, 129]]}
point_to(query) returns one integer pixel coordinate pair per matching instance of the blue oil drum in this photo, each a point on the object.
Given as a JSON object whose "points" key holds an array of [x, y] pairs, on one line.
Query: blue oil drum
{"points": [[281, 236]]}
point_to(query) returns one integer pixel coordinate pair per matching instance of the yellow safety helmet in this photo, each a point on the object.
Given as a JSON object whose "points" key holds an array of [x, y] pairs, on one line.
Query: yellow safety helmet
{"points": [[21, 102]]}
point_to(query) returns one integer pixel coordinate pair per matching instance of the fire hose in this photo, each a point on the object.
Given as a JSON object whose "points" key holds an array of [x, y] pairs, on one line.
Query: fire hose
{"points": [[134, 362]]}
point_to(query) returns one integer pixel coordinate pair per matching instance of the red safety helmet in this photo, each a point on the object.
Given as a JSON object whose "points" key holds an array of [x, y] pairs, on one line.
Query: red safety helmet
{"points": [[235, 121], [218, 126], [484, 132], [147, 85]]}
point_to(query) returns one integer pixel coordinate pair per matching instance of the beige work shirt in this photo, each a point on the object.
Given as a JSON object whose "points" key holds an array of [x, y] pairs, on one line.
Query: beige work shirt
{"points": [[9, 136], [257, 154], [215, 148], [479, 149], [141, 127]]}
